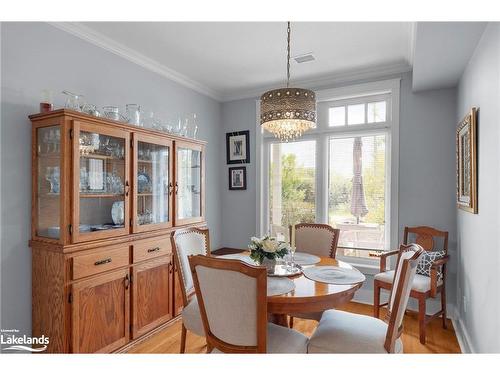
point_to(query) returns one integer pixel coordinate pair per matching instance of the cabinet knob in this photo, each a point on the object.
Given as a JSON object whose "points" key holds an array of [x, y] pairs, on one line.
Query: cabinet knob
{"points": [[176, 188], [170, 188], [127, 282]]}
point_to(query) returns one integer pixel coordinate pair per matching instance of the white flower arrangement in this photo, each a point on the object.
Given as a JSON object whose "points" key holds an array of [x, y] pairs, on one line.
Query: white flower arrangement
{"points": [[267, 247]]}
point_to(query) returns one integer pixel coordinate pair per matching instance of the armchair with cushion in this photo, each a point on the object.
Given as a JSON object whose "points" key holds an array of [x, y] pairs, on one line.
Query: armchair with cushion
{"points": [[430, 279]]}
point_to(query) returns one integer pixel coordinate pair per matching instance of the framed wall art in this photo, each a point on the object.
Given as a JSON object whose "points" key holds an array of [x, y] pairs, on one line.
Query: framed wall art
{"points": [[467, 162], [238, 147], [238, 178]]}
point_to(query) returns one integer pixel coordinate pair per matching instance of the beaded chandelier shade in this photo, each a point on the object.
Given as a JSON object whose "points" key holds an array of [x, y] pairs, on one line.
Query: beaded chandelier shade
{"points": [[288, 112]]}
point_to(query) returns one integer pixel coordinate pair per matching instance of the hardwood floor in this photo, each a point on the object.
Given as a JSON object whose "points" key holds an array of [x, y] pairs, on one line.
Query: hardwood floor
{"points": [[439, 340]]}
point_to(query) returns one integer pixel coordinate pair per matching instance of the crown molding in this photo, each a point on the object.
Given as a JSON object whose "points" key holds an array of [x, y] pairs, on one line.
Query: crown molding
{"points": [[412, 41], [327, 81], [315, 83], [102, 41]]}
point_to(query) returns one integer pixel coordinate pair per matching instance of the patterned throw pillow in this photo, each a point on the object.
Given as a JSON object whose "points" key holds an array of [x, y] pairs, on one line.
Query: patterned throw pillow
{"points": [[425, 263]]}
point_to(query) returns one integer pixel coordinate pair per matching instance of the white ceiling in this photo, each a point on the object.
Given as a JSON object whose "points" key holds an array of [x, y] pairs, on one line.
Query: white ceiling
{"points": [[442, 51], [229, 60], [233, 60]]}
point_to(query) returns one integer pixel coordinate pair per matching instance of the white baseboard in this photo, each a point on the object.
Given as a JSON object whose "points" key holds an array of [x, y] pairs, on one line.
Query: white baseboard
{"points": [[462, 334]]}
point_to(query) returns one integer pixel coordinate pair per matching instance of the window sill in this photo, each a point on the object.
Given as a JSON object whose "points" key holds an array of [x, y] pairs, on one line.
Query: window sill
{"points": [[366, 267]]}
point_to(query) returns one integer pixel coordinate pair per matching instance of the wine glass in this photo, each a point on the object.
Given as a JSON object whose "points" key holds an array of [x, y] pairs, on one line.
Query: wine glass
{"points": [[292, 260]]}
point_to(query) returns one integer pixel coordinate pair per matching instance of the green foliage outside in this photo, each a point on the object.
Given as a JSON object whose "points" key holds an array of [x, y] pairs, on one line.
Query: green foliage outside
{"points": [[298, 191]]}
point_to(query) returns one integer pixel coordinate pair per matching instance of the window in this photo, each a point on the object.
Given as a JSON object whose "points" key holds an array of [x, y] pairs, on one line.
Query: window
{"points": [[376, 112], [356, 192], [336, 116], [357, 114], [339, 173], [292, 182]]}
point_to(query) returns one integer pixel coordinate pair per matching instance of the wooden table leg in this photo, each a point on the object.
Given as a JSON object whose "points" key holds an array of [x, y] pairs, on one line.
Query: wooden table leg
{"points": [[279, 319]]}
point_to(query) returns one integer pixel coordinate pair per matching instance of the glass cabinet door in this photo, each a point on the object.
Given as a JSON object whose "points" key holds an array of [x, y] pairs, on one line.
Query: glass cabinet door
{"points": [[48, 183], [189, 183], [153, 186], [101, 183]]}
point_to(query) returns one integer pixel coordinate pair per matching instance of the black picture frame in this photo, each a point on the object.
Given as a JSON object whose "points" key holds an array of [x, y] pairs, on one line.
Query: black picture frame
{"points": [[234, 184], [242, 147]]}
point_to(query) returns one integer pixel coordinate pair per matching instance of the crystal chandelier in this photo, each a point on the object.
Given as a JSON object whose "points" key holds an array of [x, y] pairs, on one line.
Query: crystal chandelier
{"points": [[288, 112]]}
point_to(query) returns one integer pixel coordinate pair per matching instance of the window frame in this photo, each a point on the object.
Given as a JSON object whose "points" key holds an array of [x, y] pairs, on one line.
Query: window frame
{"points": [[389, 91]]}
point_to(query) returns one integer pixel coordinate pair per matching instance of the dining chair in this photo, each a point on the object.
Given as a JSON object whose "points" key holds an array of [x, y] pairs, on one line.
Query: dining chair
{"points": [[233, 303], [430, 279], [317, 239], [344, 332], [186, 242]]}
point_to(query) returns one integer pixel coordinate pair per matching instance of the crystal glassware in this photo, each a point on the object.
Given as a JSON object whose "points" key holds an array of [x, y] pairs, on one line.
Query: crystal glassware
{"points": [[113, 113], [46, 101], [53, 177], [292, 254], [134, 114], [149, 120], [184, 130], [192, 126], [91, 109], [72, 101]]}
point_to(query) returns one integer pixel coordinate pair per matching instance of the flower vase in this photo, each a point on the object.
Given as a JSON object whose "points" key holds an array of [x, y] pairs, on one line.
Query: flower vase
{"points": [[269, 264]]}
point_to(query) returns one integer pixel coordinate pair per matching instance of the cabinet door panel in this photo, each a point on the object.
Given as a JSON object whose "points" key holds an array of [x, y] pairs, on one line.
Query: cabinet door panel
{"points": [[100, 316], [189, 183], [151, 295], [100, 181], [153, 183]]}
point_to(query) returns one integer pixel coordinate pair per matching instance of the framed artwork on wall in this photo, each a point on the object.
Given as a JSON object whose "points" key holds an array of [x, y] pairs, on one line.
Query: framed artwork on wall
{"points": [[238, 147], [467, 162], [238, 178]]}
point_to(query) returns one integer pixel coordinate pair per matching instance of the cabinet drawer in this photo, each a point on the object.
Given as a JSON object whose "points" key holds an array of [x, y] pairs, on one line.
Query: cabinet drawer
{"points": [[103, 260], [151, 249]]}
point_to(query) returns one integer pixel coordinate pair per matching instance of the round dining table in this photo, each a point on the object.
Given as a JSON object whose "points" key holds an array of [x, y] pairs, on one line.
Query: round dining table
{"points": [[309, 295]]}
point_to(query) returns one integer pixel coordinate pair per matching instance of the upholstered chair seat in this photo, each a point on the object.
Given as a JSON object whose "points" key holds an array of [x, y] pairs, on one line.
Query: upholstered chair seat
{"points": [[186, 242], [281, 340], [344, 332], [420, 283], [191, 317], [232, 296]]}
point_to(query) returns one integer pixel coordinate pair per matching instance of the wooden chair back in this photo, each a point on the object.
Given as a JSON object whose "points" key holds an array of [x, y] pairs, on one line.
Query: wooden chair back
{"points": [[317, 239], [186, 242], [233, 303], [406, 268], [425, 237]]}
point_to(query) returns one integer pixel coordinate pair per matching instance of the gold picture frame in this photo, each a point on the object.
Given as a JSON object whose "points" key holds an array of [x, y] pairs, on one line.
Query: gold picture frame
{"points": [[467, 162]]}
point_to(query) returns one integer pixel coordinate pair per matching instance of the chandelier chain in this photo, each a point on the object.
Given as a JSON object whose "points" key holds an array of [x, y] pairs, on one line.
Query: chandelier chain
{"points": [[288, 56]]}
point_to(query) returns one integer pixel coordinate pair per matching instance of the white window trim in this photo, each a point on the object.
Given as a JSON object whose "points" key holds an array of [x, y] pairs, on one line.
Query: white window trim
{"points": [[391, 86]]}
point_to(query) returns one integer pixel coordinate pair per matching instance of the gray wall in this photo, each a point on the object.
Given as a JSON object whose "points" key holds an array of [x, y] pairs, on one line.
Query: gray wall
{"points": [[239, 208], [426, 167], [35, 56], [478, 243]]}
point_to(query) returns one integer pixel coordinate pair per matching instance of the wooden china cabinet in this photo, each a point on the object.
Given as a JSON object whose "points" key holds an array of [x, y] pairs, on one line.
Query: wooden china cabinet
{"points": [[106, 196]]}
